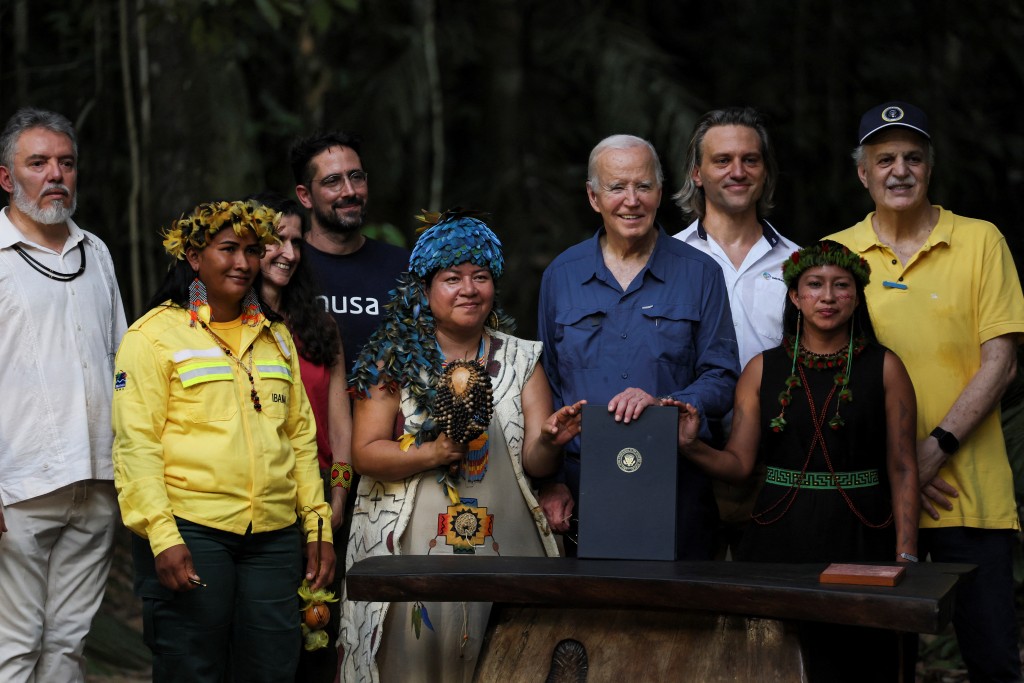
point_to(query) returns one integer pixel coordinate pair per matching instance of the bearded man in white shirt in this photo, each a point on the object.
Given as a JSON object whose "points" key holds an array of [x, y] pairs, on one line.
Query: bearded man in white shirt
{"points": [[63, 321]]}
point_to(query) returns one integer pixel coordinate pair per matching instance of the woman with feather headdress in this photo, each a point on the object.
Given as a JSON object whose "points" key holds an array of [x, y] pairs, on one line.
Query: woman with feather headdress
{"points": [[451, 418]]}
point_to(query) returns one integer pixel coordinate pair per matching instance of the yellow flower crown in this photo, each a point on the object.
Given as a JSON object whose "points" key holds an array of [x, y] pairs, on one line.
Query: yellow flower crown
{"points": [[206, 220]]}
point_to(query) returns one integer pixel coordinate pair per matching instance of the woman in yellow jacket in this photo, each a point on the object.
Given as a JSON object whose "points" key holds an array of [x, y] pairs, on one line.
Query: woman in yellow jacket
{"points": [[215, 460]]}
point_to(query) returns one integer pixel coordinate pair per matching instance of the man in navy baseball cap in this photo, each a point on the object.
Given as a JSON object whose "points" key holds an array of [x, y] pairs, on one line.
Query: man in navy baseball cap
{"points": [[890, 115], [946, 298]]}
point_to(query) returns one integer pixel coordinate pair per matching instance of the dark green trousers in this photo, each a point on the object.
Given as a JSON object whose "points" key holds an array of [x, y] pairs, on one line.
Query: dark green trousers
{"points": [[243, 626]]}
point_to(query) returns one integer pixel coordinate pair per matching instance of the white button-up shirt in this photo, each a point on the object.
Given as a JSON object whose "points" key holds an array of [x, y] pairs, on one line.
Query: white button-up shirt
{"points": [[57, 346], [757, 292]]}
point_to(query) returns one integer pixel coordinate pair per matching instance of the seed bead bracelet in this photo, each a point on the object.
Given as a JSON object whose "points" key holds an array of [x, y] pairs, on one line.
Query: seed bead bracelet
{"points": [[341, 475]]}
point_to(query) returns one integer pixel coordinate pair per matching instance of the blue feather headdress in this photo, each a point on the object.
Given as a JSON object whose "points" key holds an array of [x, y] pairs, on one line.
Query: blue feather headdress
{"points": [[453, 238], [403, 352]]}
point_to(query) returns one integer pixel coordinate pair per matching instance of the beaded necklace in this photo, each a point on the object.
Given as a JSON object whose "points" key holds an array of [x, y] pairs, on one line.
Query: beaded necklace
{"points": [[458, 410], [840, 360], [255, 397], [479, 353]]}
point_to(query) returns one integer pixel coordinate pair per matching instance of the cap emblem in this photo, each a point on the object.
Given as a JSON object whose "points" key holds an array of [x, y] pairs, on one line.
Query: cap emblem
{"points": [[891, 114]]}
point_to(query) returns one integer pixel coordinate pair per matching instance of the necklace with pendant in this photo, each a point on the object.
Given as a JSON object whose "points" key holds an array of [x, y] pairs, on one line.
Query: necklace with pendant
{"points": [[255, 397], [463, 408]]}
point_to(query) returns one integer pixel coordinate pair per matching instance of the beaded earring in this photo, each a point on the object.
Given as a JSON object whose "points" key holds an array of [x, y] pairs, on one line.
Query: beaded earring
{"points": [[251, 310], [196, 300], [786, 397], [843, 382]]}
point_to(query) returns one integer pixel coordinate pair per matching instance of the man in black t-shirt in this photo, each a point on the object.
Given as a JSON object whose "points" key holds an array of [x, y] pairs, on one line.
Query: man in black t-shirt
{"points": [[355, 272]]}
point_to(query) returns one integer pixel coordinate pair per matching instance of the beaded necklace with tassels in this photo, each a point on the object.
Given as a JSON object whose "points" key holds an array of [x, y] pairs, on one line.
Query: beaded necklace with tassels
{"points": [[841, 360], [199, 308], [253, 395]]}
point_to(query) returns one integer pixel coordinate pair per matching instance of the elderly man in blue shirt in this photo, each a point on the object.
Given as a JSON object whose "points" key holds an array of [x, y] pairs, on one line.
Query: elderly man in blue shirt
{"points": [[631, 315]]}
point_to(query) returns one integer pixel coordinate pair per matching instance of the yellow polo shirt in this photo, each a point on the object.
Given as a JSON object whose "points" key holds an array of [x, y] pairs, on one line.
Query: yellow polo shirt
{"points": [[188, 441], [959, 290]]}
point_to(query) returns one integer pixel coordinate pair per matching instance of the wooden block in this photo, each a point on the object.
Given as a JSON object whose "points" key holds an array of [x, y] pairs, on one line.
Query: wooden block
{"points": [[863, 574]]}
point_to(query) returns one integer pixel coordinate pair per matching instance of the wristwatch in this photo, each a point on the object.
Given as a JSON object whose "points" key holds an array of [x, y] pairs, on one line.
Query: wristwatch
{"points": [[947, 442]]}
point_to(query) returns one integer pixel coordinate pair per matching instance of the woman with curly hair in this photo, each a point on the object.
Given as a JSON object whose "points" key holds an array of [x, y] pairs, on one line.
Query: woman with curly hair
{"points": [[287, 286]]}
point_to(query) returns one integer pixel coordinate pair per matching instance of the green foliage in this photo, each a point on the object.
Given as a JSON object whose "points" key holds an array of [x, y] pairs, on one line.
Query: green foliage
{"points": [[527, 87], [385, 232], [320, 15], [280, 116], [941, 651], [270, 12]]}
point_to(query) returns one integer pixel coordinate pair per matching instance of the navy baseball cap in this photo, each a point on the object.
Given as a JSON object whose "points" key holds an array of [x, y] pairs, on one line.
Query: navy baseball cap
{"points": [[893, 114]]}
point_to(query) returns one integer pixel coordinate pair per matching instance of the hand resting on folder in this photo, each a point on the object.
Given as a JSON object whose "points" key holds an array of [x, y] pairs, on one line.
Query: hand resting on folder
{"points": [[629, 404]]}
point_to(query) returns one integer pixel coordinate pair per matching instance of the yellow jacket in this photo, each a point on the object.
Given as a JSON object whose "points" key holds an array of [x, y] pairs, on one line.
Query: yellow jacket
{"points": [[188, 441]]}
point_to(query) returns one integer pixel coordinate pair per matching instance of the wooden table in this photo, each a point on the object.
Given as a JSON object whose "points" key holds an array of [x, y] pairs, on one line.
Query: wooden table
{"points": [[728, 621]]}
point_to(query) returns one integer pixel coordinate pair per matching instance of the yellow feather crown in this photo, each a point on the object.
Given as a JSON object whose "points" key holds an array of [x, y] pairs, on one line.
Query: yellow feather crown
{"points": [[207, 219]]}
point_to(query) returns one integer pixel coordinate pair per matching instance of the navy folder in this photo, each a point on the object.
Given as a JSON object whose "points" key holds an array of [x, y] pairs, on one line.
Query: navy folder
{"points": [[628, 485]]}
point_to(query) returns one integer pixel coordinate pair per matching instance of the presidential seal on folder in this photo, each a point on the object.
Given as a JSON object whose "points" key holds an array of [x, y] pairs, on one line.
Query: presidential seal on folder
{"points": [[628, 485]]}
